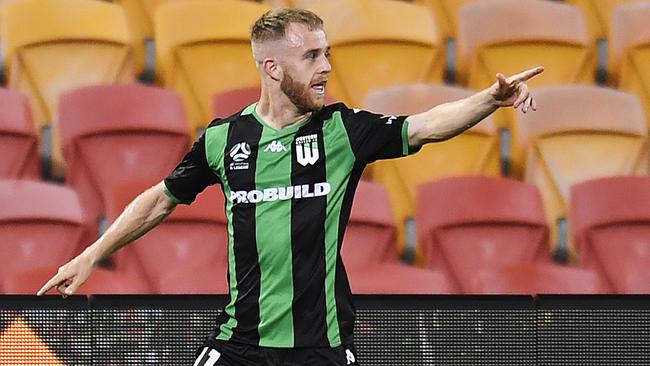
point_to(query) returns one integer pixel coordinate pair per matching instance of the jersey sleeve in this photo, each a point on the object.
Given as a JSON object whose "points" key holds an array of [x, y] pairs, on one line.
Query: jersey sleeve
{"points": [[191, 176], [375, 136]]}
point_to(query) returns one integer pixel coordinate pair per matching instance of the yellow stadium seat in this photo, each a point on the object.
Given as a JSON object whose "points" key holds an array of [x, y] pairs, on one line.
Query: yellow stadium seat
{"points": [[581, 133], [630, 50], [504, 36], [378, 43], [446, 14], [475, 152], [203, 47], [598, 14], [56, 46]]}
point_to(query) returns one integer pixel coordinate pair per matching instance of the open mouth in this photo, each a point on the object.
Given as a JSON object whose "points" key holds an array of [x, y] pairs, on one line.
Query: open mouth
{"points": [[319, 87]]}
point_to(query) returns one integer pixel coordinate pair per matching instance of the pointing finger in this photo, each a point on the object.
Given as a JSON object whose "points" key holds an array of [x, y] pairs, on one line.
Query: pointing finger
{"points": [[54, 281], [527, 75]]}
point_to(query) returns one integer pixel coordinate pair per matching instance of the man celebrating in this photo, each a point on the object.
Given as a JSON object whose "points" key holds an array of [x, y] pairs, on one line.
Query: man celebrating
{"points": [[288, 167]]}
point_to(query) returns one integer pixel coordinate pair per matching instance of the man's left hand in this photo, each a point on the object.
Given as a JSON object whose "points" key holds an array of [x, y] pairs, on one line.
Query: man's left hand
{"points": [[513, 91]]}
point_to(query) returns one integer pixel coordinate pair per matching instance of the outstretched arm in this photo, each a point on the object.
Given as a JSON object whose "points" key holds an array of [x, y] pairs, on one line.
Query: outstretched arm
{"points": [[143, 214], [450, 119]]}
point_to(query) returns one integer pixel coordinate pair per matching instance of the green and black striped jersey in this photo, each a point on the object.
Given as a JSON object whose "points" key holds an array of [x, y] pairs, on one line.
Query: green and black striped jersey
{"points": [[288, 200]]}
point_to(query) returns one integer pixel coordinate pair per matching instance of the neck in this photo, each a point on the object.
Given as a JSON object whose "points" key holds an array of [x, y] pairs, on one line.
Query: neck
{"points": [[278, 111]]}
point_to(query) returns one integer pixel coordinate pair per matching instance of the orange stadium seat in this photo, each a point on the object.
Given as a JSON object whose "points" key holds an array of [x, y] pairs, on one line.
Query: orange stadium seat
{"points": [[480, 222], [203, 49], [369, 52], [538, 278], [369, 253], [115, 133], [547, 34], [18, 141], [446, 15], [41, 225], [598, 15], [475, 152], [611, 217], [191, 237], [582, 133], [68, 44], [630, 50]]}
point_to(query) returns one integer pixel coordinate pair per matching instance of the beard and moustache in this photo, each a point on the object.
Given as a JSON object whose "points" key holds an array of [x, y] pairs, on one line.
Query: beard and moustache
{"points": [[298, 94]]}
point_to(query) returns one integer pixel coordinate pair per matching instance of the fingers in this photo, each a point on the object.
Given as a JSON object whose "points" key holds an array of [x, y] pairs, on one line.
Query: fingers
{"points": [[501, 79], [526, 75], [55, 281], [523, 94], [529, 103]]}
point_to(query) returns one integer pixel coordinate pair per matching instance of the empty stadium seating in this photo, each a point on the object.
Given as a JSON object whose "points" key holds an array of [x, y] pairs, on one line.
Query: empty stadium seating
{"points": [[205, 279], [630, 50], [598, 15], [51, 47], [475, 152], [41, 225], [446, 14], [505, 36], [191, 237], [581, 133], [369, 253], [537, 278], [370, 52], [202, 49], [480, 222], [611, 218], [114, 133], [18, 141]]}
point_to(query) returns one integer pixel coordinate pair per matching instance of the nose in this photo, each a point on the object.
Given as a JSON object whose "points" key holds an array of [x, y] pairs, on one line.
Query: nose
{"points": [[326, 67]]}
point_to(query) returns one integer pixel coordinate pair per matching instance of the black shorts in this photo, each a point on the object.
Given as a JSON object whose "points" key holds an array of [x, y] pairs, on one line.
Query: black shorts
{"points": [[221, 353]]}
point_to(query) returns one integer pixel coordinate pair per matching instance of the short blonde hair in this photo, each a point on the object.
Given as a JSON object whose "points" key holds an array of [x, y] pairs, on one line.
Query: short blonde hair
{"points": [[274, 23]]}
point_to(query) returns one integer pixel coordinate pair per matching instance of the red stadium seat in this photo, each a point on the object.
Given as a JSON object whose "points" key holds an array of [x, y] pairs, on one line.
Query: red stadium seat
{"points": [[370, 255], [40, 225], [116, 133], [192, 236], [480, 222], [207, 279], [537, 278], [611, 220], [27, 281], [18, 141], [105, 282]]}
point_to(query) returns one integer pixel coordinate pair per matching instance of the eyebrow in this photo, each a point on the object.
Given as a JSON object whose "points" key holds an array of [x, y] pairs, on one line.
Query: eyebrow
{"points": [[327, 49]]}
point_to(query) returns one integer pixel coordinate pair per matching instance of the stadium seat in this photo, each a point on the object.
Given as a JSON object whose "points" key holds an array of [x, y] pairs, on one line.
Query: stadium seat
{"points": [[537, 278], [18, 141], [229, 102], [480, 222], [547, 34], [598, 15], [107, 282], [611, 217], [27, 281], [370, 235], [54, 46], [191, 237], [369, 253], [206, 279], [581, 133], [369, 52], [446, 15], [202, 49], [41, 225], [475, 152], [630, 50], [116, 133]]}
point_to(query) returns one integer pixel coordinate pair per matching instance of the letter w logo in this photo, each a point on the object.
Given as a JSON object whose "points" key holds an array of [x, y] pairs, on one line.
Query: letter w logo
{"points": [[307, 153]]}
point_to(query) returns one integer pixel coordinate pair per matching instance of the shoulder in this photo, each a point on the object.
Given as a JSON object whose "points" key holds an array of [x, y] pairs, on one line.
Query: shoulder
{"points": [[328, 111]]}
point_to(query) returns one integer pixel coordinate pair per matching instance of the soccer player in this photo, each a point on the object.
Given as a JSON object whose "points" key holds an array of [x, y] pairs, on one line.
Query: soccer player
{"points": [[288, 166]]}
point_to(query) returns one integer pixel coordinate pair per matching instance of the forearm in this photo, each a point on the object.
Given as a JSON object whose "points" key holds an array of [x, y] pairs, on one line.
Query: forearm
{"points": [[143, 214], [450, 119]]}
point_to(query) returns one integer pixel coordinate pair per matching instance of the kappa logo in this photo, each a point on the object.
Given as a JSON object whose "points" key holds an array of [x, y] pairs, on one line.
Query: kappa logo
{"points": [[275, 146], [307, 149], [240, 152]]}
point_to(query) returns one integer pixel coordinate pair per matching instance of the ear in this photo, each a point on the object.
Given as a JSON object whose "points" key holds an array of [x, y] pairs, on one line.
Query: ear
{"points": [[272, 69]]}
